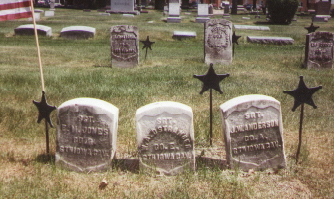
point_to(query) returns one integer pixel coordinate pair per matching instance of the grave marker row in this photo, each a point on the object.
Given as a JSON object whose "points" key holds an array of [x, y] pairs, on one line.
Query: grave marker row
{"points": [[87, 133]]}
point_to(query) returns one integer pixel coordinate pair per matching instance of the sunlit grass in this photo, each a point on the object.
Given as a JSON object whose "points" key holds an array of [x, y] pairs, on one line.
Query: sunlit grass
{"points": [[82, 68]]}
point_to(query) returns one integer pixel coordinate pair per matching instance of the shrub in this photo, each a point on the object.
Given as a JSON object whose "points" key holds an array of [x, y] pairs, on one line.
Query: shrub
{"points": [[282, 11]]}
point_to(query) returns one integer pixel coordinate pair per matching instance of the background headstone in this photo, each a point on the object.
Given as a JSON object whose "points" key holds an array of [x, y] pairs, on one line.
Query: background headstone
{"points": [[165, 138], [174, 13], [218, 41], [319, 50], [322, 11], [28, 29], [271, 40], [202, 13], [253, 132], [124, 46], [86, 135], [122, 6], [49, 13], [78, 32]]}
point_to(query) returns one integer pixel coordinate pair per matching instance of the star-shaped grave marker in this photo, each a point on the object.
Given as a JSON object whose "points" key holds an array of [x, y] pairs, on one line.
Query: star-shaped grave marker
{"points": [[44, 111], [147, 44], [311, 28], [211, 81], [302, 95]]}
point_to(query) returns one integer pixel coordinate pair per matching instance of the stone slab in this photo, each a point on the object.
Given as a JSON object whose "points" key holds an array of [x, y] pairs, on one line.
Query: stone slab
{"points": [[28, 29], [321, 18], [124, 46], [218, 41], [319, 50], [165, 138], [78, 32], [253, 132], [270, 40], [179, 35], [250, 27], [86, 135]]}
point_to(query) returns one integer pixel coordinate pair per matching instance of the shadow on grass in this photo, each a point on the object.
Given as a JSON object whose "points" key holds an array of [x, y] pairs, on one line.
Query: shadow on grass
{"points": [[46, 158]]}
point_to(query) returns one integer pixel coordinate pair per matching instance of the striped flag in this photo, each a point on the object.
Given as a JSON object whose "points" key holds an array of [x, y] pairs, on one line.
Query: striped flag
{"points": [[14, 9]]}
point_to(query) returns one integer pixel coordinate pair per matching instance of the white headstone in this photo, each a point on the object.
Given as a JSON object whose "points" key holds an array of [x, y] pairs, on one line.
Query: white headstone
{"points": [[203, 10], [165, 138], [49, 13], [86, 135], [174, 9], [253, 131], [122, 5]]}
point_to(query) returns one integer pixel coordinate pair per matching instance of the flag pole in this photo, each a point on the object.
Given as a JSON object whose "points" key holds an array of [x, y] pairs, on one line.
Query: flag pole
{"points": [[37, 44]]}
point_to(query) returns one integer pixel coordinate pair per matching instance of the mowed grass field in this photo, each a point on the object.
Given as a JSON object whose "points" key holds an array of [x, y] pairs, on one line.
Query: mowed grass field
{"points": [[82, 68]]}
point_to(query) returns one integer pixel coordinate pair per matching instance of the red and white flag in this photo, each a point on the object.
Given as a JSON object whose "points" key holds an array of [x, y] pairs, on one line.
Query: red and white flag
{"points": [[14, 9]]}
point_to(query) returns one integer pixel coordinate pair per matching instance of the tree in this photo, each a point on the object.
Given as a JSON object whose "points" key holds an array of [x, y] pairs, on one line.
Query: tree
{"points": [[282, 11]]}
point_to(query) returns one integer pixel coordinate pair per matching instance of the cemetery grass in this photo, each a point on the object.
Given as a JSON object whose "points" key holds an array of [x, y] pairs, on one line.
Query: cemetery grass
{"points": [[74, 69]]}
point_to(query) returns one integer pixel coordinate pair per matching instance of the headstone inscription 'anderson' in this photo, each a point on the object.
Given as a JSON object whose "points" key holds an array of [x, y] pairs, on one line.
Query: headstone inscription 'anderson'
{"points": [[124, 46], [218, 41], [86, 135], [319, 50], [252, 126], [165, 138]]}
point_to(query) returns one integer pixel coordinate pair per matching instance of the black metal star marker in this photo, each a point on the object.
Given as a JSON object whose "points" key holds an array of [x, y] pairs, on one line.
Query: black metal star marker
{"points": [[311, 28], [235, 38], [211, 80], [303, 94], [147, 44], [44, 109]]}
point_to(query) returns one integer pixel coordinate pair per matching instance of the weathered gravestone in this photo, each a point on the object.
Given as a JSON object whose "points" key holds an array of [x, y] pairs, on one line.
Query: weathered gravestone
{"points": [[270, 40], [319, 50], [52, 5], [174, 13], [86, 135], [218, 41], [202, 13], [28, 29], [78, 32], [165, 138], [253, 131], [122, 6], [124, 46]]}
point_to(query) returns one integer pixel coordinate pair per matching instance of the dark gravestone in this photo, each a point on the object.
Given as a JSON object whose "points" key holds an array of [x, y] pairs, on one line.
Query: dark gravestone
{"points": [[86, 135], [165, 138], [322, 11], [253, 132], [124, 46], [319, 50], [218, 41]]}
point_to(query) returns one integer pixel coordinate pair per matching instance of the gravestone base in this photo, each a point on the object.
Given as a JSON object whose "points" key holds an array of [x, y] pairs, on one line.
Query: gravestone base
{"points": [[321, 18], [270, 40], [173, 20], [179, 35], [123, 12], [202, 19]]}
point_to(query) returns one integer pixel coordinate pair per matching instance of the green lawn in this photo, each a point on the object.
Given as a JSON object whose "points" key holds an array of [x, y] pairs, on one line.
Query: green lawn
{"points": [[81, 68]]}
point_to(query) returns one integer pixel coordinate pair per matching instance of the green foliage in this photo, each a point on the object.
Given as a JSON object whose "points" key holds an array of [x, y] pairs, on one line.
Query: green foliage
{"points": [[282, 11]]}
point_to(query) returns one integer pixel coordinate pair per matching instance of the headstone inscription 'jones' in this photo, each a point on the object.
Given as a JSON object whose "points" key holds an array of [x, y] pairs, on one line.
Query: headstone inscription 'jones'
{"points": [[218, 41], [319, 50], [165, 138], [124, 46], [86, 135], [253, 129]]}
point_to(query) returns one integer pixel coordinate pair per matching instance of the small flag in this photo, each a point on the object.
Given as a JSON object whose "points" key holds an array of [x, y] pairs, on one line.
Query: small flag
{"points": [[14, 9]]}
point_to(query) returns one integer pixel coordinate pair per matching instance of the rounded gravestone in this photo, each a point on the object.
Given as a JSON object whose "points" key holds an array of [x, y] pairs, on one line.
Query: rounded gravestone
{"points": [[86, 135], [253, 131], [165, 138]]}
